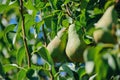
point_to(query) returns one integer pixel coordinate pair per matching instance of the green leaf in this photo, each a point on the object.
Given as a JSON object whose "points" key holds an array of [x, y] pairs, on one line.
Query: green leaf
{"points": [[9, 28], [1, 33], [109, 3], [66, 1], [6, 33], [89, 54], [60, 15], [29, 22], [9, 67], [20, 55], [2, 70], [29, 5], [21, 75], [29, 73], [45, 55], [53, 4], [67, 70], [48, 21], [81, 71], [38, 25], [84, 4], [54, 26], [40, 5], [11, 36], [65, 23], [111, 61], [83, 18], [97, 11], [88, 39], [13, 4], [3, 7]]}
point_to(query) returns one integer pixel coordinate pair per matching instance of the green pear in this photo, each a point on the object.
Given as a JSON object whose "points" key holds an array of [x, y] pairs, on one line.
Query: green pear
{"points": [[108, 19], [75, 45], [104, 36], [104, 26], [57, 46]]}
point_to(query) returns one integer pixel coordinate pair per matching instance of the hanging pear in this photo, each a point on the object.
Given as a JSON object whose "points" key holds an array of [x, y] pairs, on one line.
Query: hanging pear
{"points": [[75, 45], [104, 26], [57, 46], [108, 19]]}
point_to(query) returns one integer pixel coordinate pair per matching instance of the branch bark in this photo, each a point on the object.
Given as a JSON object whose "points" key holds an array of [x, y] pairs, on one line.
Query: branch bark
{"points": [[24, 35]]}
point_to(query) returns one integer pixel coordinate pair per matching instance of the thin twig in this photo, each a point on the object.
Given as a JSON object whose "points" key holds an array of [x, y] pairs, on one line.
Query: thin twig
{"points": [[24, 35], [68, 11]]}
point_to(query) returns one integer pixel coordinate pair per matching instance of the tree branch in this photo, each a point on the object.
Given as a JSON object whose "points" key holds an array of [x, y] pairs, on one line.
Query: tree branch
{"points": [[24, 35]]}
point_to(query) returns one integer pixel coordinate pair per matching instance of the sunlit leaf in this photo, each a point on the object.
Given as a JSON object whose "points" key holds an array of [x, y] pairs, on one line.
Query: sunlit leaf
{"points": [[9, 67], [21, 75], [3, 7], [29, 22], [29, 5], [65, 23], [66, 1]]}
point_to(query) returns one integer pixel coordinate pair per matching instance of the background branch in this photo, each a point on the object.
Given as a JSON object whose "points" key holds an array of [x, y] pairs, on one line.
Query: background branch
{"points": [[24, 35]]}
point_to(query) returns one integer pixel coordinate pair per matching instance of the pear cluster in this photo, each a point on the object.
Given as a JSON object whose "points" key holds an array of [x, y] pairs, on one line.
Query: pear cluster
{"points": [[57, 46], [69, 45]]}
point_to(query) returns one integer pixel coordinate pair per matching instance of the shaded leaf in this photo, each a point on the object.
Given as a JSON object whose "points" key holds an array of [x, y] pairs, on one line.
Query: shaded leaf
{"points": [[20, 55], [30, 73], [67, 70], [45, 55], [53, 4], [2, 70]]}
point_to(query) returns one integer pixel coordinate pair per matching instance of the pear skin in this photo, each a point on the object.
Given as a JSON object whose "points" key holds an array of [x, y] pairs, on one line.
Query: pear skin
{"points": [[75, 46], [103, 36], [104, 27], [108, 19], [57, 46]]}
